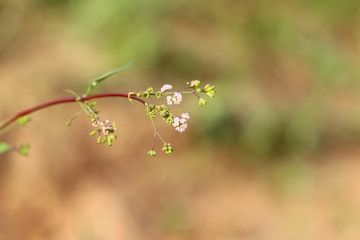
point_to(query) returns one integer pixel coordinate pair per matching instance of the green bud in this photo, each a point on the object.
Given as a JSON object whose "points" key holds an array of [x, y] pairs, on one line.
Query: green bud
{"points": [[169, 119], [209, 90], [195, 84], [110, 140], [150, 111], [202, 102], [93, 132], [167, 148], [158, 95], [152, 153], [150, 90]]}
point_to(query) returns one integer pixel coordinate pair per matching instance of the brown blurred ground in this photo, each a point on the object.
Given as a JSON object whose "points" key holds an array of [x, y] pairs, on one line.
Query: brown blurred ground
{"points": [[234, 174]]}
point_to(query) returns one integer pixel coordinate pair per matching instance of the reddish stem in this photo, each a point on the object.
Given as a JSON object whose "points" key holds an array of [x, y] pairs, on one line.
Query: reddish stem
{"points": [[28, 111]]}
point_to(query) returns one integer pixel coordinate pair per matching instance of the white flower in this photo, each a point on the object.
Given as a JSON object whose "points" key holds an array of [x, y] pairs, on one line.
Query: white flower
{"points": [[185, 115], [183, 120], [180, 122], [182, 127], [166, 87], [169, 100], [176, 99], [176, 122]]}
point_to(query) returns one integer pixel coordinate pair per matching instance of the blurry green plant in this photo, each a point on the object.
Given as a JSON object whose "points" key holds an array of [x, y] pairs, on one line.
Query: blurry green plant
{"points": [[105, 130]]}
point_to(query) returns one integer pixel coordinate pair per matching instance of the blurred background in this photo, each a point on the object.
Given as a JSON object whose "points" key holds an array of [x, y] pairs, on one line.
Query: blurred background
{"points": [[274, 156]]}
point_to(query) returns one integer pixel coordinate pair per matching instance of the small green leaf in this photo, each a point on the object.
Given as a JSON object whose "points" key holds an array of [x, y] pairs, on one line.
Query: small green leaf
{"points": [[22, 121], [93, 132], [68, 123], [72, 92], [195, 84], [93, 83], [4, 147]]}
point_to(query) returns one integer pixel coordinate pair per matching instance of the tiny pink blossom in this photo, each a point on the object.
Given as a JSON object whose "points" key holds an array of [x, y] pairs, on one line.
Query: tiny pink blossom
{"points": [[169, 100], [180, 122], [176, 122], [185, 115], [177, 98], [182, 127], [183, 120], [166, 87]]}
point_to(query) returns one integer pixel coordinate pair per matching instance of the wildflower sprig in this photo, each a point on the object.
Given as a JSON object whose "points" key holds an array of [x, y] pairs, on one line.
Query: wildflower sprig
{"points": [[106, 130], [180, 122]]}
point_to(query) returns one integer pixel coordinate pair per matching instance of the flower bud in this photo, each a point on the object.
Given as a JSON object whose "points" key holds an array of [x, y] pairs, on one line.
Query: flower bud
{"points": [[202, 102], [152, 153]]}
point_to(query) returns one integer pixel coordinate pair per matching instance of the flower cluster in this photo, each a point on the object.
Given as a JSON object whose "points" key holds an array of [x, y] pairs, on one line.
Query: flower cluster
{"points": [[208, 89], [165, 88], [175, 99], [105, 129], [162, 110], [180, 122], [167, 148]]}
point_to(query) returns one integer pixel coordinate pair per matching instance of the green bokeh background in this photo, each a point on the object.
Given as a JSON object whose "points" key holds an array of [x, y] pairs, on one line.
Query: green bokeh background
{"points": [[287, 81]]}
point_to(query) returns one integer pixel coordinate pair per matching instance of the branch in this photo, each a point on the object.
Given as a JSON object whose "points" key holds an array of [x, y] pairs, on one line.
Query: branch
{"points": [[28, 111]]}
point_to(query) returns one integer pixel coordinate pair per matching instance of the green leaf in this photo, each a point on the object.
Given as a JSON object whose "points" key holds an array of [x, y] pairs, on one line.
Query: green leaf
{"points": [[93, 83], [22, 121], [72, 92], [4, 147]]}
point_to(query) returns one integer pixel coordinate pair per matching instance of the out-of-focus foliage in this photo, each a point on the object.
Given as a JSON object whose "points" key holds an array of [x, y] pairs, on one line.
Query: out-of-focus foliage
{"points": [[287, 86]]}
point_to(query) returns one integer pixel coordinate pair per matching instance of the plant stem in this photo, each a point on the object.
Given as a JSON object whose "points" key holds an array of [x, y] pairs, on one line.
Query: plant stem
{"points": [[28, 111]]}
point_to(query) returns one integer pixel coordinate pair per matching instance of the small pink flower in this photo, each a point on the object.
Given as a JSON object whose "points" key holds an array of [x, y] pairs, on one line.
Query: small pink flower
{"points": [[185, 115], [166, 87], [169, 100], [176, 122], [106, 128], [180, 122], [176, 99], [182, 127]]}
